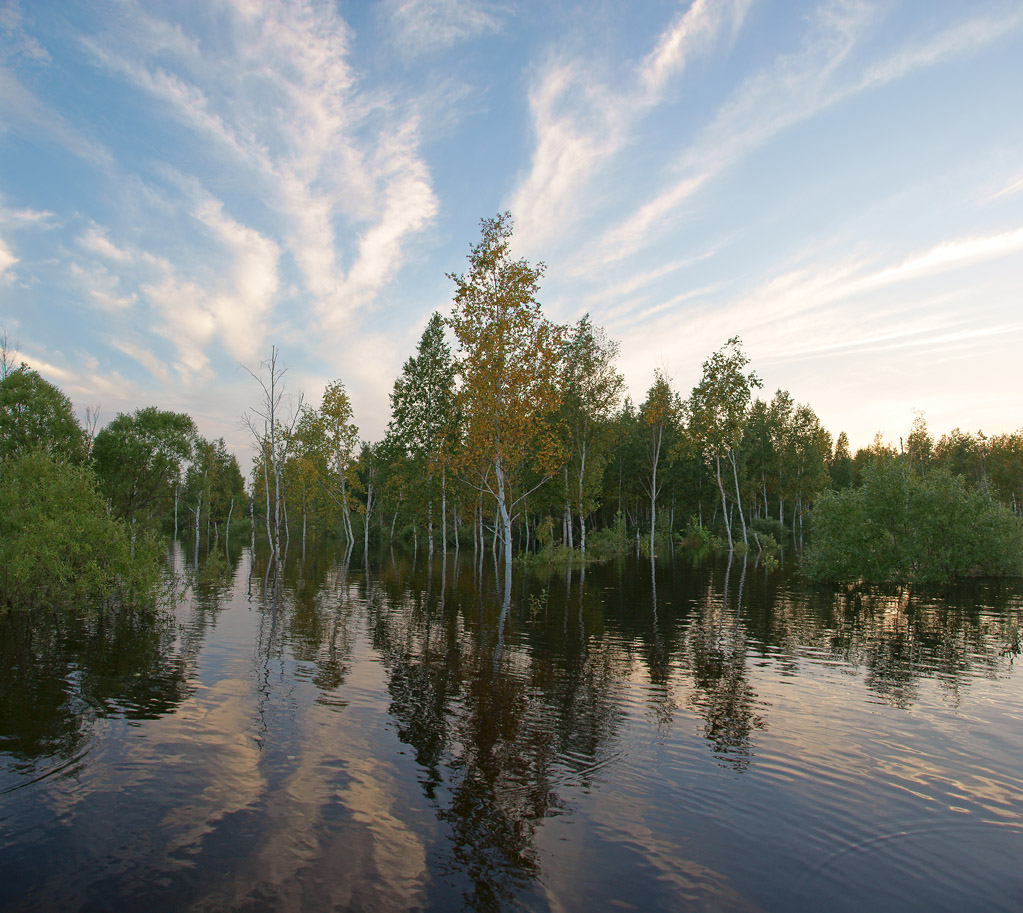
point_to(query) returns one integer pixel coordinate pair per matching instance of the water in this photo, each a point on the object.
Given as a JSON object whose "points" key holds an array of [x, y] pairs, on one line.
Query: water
{"points": [[707, 736]]}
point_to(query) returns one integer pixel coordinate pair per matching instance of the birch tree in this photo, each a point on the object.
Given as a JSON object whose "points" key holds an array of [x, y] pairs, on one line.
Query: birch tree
{"points": [[592, 391], [658, 418], [718, 405], [341, 437], [272, 424], [508, 365]]}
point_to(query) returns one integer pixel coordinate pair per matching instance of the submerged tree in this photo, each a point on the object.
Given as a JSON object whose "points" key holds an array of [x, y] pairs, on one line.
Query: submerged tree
{"points": [[658, 419], [509, 367], [272, 424], [900, 526], [718, 408], [341, 437], [139, 458], [591, 390], [422, 415]]}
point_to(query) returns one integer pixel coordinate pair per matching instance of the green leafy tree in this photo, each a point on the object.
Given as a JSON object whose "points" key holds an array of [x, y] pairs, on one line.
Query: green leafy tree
{"points": [[213, 484], [1005, 468], [591, 393], [34, 413], [508, 364], [138, 459], [841, 465], [900, 526], [718, 408], [919, 446], [422, 422], [340, 439], [659, 421]]}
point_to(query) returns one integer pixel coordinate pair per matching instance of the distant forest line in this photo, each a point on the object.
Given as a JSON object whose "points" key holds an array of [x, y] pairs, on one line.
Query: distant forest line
{"points": [[520, 440]]}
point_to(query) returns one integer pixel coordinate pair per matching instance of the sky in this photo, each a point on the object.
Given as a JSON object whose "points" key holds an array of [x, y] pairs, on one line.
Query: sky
{"points": [[185, 184]]}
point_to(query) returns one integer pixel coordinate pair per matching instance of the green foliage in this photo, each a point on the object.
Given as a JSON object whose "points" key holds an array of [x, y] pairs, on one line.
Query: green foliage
{"points": [[903, 527], [138, 459], [610, 542], [768, 526], [34, 413], [840, 466], [58, 545], [766, 541], [698, 537]]}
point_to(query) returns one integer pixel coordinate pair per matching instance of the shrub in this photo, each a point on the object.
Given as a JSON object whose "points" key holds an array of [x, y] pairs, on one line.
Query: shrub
{"points": [[59, 545], [901, 527], [603, 544], [698, 537], [768, 526]]}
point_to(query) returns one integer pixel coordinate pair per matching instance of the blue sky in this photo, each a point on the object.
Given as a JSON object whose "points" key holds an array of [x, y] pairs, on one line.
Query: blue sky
{"points": [[183, 185]]}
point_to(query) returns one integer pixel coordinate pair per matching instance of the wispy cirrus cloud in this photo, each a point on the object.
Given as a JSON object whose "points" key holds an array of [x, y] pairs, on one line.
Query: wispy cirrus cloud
{"points": [[420, 27], [273, 93], [17, 43], [581, 121], [7, 258], [25, 113], [796, 87]]}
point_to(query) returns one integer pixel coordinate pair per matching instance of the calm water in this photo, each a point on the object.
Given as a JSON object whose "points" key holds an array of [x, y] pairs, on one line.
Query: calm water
{"points": [[709, 737]]}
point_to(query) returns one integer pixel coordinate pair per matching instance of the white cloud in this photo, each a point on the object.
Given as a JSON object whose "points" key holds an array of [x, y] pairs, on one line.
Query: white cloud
{"points": [[96, 241], [241, 307], [1012, 187], [102, 287], [144, 357], [24, 111], [423, 26], [17, 43], [793, 89], [25, 216], [581, 122], [7, 259], [277, 98]]}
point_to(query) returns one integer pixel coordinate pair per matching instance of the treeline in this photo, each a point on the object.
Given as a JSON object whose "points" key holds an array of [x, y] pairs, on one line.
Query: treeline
{"points": [[523, 437], [519, 439], [81, 515]]}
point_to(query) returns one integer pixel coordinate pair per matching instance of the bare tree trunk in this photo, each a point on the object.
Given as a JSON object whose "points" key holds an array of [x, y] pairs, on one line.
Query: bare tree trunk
{"points": [[198, 510], [582, 512], [444, 509], [738, 497], [287, 525], [724, 504], [227, 527], [653, 488], [369, 513]]}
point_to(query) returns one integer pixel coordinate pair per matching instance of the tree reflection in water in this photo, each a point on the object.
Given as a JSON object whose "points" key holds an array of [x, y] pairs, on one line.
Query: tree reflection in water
{"points": [[61, 669], [514, 699]]}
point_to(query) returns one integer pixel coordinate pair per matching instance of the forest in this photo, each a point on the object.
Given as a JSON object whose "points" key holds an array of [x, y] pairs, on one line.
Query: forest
{"points": [[520, 442]]}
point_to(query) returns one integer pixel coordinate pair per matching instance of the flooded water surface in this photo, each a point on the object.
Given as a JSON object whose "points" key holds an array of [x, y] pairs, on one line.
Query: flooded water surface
{"points": [[678, 736]]}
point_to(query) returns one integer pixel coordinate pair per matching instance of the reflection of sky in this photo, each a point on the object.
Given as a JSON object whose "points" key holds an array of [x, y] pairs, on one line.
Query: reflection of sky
{"points": [[257, 790]]}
